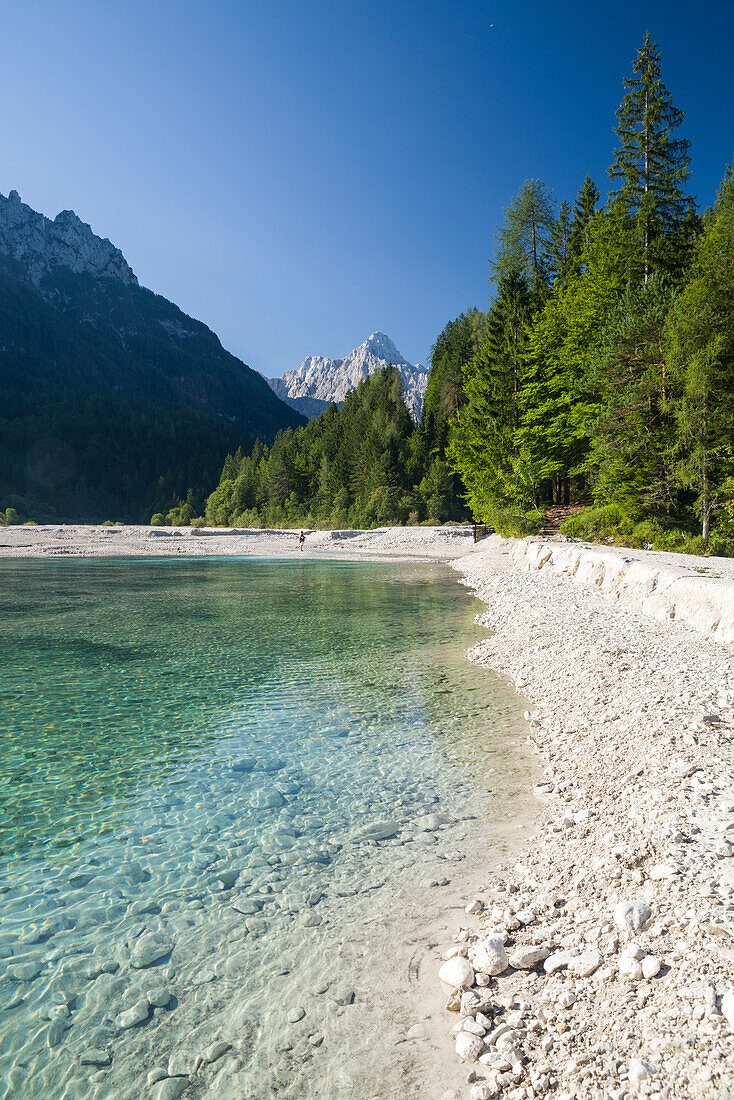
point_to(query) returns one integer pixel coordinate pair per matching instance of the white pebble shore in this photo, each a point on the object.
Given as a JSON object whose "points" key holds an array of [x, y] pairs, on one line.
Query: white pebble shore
{"points": [[602, 960]]}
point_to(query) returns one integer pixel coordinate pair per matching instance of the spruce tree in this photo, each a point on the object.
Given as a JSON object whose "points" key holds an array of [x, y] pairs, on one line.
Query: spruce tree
{"points": [[454, 347], [524, 240], [555, 403], [700, 347], [583, 211], [651, 163], [632, 438], [482, 439], [560, 253]]}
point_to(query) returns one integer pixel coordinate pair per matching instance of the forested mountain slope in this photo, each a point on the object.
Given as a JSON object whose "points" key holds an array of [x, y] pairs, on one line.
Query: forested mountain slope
{"points": [[106, 387]]}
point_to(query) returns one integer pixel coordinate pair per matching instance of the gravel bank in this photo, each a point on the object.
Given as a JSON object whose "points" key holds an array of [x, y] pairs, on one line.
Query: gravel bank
{"points": [[694, 590], [96, 540], [601, 964]]}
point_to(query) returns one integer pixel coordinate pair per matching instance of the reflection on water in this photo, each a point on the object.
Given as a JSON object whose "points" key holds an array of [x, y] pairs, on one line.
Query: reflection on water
{"points": [[265, 764]]}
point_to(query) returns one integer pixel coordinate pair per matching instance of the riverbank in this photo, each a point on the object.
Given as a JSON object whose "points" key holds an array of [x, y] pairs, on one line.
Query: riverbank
{"points": [[96, 540], [605, 954]]}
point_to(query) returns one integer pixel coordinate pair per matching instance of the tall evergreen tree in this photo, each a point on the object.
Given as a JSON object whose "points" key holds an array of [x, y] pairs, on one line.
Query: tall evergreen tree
{"points": [[525, 237], [700, 345], [454, 347], [583, 211], [555, 402], [560, 252], [651, 163], [482, 441], [632, 439]]}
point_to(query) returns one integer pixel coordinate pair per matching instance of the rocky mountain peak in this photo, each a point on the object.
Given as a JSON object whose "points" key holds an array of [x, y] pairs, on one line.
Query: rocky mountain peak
{"points": [[320, 379], [40, 245], [382, 346]]}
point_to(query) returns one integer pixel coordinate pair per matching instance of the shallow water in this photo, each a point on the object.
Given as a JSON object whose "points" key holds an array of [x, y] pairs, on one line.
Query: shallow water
{"points": [[265, 764]]}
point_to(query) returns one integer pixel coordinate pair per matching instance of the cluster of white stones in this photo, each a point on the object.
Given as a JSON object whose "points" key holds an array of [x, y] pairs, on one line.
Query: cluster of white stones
{"points": [[600, 965]]}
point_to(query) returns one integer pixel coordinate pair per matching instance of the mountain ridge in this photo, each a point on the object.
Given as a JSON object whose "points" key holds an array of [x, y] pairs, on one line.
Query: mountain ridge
{"points": [[77, 331], [321, 379]]}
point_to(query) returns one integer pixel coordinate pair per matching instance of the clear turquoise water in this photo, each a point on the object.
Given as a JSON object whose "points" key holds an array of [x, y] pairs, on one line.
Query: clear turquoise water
{"points": [[210, 750]]}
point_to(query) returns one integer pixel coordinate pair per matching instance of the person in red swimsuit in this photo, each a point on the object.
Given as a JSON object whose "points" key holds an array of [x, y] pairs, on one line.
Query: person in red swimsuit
{"points": [[301, 539]]}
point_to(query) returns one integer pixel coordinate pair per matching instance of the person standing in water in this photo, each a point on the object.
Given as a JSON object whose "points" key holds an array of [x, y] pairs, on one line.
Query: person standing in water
{"points": [[301, 540]]}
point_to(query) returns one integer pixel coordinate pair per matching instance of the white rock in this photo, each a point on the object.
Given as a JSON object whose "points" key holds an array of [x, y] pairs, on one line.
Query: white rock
{"points": [[662, 871], [93, 1056], [585, 964], [378, 830], [457, 971], [727, 1007], [559, 960], [171, 1088], [681, 769], [150, 949], [132, 1016], [499, 1033], [631, 916], [158, 996], [473, 1026], [489, 956], [468, 1047], [430, 822], [266, 798], [651, 966], [639, 1071], [215, 1051], [630, 968], [525, 958], [482, 1091]]}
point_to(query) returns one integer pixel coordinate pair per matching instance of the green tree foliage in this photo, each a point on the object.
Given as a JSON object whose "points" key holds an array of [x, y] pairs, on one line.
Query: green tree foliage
{"points": [[583, 211], [651, 164], [560, 252], [107, 388], [633, 436], [454, 348], [483, 443], [700, 345], [606, 363], [524, 241], [362, 465], [555, 402]]}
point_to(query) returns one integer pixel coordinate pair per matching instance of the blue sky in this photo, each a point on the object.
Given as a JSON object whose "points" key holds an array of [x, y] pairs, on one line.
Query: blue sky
{"points": [[299, 174]]}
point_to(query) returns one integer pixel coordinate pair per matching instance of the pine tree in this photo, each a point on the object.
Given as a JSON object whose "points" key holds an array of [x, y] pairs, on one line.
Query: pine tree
{"points": [[560, 252], [700, 344], [651, 164], [482, 438], [524, 239], [555, 403], [583, 211], [632, 439], [454, 347]]}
